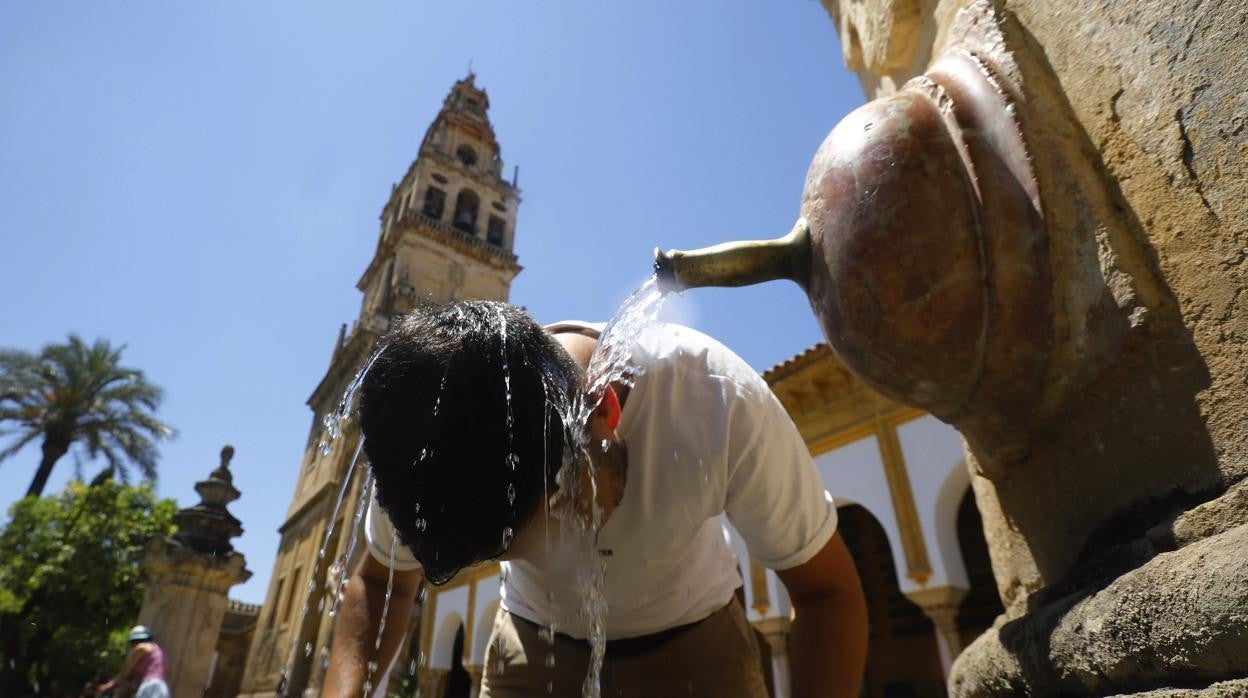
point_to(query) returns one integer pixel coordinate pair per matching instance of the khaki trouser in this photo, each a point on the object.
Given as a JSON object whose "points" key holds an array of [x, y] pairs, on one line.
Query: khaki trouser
{"points": [[717, 656]]}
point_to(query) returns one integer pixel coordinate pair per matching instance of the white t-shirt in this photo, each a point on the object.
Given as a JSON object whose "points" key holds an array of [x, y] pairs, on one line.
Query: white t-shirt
{"points": [[705, 436]]}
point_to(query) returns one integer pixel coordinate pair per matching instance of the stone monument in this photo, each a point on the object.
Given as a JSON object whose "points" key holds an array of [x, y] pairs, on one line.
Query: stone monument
{"points": [[189, 577]]}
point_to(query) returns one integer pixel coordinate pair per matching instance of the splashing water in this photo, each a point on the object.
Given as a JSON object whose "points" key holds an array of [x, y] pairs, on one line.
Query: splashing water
{"points": [[611, 362], [297, 631], [333, 423], [368, 681], [360, 506], [385, 609], [595, 609]]}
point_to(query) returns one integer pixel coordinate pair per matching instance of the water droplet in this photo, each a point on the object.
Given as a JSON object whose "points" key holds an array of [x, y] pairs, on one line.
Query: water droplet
{"points": [[550, 686], [324, 448], [605, 445], [501, 666], [424, 452], [550, 660], [320, 606], [424, 591], [421, 525], [372, 666], [411, 668], [307, 649], [416, 508], [507, 535], [511, 494], [513, 461], [675, 455]]}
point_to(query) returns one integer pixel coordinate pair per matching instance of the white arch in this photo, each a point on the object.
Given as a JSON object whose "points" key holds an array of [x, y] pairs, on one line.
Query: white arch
{"points": [[936, 464], [444, 642], [854, 474], [481, 634], [945, 515]]}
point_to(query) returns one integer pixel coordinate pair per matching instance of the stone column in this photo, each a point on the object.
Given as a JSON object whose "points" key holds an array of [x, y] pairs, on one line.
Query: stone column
{"points": [[476, 672], [432, 681], [776, 630], [189, 578], [940, 605]]}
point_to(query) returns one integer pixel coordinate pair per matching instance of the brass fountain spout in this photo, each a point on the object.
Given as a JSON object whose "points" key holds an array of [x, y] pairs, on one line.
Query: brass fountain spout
{"points": [[737, 263], [921, 247]]}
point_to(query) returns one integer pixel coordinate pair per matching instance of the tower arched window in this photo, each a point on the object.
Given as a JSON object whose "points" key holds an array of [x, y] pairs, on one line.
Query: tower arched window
{"points": [[495, 231], [466, 205], [435, 200], [466, 155]]}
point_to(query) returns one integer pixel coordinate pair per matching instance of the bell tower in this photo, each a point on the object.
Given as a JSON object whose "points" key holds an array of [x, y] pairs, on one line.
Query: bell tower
{"points": [[447, 233], [448, 228]]}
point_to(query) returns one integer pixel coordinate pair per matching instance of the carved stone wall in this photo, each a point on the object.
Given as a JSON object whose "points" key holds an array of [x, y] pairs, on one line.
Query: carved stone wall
{"points": [[1115, 518]]}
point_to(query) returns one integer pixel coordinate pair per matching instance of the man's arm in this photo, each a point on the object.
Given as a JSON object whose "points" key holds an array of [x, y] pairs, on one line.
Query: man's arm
{"points": [[828, 639], [359, 616]]}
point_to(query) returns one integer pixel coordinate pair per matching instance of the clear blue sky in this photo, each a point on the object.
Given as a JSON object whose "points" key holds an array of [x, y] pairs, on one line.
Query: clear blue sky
{"points": [[201, 182]]}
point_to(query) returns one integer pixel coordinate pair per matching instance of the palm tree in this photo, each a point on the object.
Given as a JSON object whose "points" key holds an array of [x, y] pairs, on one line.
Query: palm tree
{"points": [[78, 394]]}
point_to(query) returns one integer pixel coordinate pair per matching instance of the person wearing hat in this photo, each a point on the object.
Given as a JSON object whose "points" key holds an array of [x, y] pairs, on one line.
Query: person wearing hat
{"points": [[142, 675]]}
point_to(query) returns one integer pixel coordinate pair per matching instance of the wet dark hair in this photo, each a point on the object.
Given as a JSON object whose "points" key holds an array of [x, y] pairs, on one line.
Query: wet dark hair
{"points": [[456, 469]]}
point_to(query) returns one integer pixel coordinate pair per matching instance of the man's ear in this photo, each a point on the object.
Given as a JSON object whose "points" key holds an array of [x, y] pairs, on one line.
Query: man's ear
{"points": [[609, 408]]}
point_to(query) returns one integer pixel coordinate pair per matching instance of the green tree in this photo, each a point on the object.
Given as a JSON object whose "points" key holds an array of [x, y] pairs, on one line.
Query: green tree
{"points": [[71, 583], [73, 393]]}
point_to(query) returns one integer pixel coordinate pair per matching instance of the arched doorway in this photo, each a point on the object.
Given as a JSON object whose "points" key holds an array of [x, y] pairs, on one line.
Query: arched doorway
{"points": [[982, 603], [458, 682], [902, 658]]}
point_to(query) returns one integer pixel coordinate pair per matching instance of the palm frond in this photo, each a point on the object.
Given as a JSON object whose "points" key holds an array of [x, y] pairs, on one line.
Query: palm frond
{"points": [[79, 393], [21, 442]]}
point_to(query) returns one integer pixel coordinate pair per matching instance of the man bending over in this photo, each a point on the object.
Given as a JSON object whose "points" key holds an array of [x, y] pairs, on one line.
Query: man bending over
{"points": [[465, 472]]}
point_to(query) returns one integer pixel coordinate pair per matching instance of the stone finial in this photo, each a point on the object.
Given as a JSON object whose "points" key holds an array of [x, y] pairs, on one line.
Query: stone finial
{"points": [[223, 471], [208, 527]]}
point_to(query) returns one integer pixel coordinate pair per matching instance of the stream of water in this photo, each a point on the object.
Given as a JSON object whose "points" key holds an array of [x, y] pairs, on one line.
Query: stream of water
{"points": [[611, 363]]}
